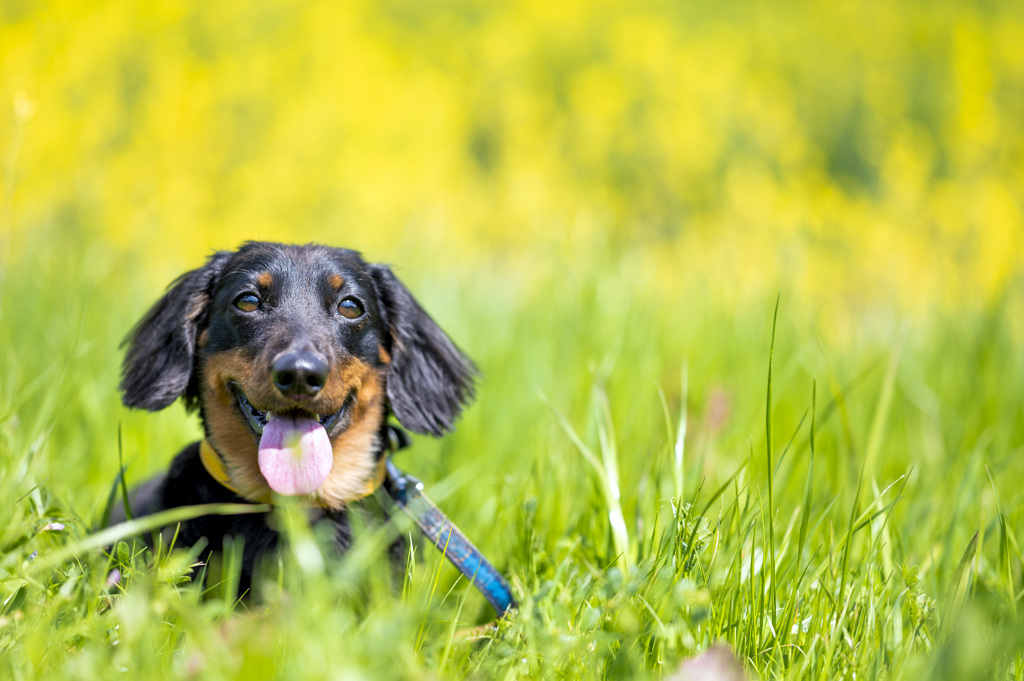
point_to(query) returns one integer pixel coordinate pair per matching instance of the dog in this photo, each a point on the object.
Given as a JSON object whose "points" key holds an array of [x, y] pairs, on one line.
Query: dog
{"points": [[295, 357]]}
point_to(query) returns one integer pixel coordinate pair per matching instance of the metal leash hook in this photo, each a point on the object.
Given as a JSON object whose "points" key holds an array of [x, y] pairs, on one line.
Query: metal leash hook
{"points": [[407, 493]]}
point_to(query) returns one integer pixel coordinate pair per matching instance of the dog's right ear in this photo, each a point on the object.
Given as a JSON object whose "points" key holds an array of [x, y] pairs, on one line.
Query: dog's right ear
{"points": [[158, 367]]}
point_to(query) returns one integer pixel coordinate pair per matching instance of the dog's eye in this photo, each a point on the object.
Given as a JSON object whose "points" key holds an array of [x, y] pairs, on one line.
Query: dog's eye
{"points": [[247, 302], [351, 308]]}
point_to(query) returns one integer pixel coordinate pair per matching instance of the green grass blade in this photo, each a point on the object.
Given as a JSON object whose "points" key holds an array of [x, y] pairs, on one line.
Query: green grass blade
{"points": [[138, 526], [771, 469], [805, 506], [957, 590]]}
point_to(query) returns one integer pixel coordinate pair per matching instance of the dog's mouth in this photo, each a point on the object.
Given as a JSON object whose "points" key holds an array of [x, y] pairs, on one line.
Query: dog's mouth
{"points": [[332, 423], [294, 453]]}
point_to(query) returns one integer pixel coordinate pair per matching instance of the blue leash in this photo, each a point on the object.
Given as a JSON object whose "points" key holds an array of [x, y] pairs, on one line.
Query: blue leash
{"points": [[407, 492]]}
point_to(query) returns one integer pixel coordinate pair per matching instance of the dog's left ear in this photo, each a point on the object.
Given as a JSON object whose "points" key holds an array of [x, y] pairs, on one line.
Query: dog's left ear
{"points": [[158, 367], [429, 380]]}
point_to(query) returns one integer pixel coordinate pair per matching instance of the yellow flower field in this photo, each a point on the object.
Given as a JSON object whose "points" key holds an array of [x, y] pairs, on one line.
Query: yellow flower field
{"points": [[847, 152]]}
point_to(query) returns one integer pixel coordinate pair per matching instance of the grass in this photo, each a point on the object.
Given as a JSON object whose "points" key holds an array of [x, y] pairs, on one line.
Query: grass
{"points": [[622, 466]]}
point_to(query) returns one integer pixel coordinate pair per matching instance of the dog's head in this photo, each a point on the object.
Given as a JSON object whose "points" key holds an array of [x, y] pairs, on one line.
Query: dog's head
{"points": [[294, 356]]}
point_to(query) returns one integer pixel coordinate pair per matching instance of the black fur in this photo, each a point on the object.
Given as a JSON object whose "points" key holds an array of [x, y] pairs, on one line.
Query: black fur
{"points": [[161, 348], [428, 383], [186, 483], [428, 379]]}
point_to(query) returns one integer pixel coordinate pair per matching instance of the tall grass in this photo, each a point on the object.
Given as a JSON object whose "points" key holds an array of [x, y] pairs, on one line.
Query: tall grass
{"points": [[879, 537]]}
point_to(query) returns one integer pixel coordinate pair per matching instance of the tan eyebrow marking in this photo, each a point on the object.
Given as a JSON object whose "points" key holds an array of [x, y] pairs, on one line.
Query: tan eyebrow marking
{"points": [[265, 279], [335, 281]]}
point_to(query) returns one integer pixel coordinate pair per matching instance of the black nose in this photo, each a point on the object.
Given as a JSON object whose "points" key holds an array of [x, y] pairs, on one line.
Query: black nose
{"points": [[299, 374]]}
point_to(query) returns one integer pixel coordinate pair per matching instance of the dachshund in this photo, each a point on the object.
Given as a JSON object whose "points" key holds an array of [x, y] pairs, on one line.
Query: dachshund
{"points": [[295, 357]]}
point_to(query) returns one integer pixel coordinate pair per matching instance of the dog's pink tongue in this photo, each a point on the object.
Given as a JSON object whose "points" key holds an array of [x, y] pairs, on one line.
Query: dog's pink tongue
{"points": [[295, 454]]}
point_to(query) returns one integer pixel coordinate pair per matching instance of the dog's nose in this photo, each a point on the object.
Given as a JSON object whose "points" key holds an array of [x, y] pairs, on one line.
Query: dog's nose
{"points": [[299, 374]]}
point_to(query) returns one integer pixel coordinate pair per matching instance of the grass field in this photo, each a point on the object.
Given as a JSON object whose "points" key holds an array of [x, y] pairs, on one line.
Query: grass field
{"points": [[744, 284], [885, 543]]}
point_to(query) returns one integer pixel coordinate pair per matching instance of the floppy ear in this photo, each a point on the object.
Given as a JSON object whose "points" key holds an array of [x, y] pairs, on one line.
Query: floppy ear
{"points": [[429, 379], [158, 366]]}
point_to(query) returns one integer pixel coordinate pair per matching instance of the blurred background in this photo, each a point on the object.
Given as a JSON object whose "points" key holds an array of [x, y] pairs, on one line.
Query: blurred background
{"points": [[577, 191], [861, 155], [600, 202]]}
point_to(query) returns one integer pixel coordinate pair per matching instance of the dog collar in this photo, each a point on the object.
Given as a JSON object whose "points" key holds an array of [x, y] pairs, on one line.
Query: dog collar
{"points": [[214, 465]]}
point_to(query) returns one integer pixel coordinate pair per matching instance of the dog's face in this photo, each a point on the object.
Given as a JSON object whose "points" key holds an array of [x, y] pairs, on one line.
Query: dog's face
{"points": [[294, 356]]}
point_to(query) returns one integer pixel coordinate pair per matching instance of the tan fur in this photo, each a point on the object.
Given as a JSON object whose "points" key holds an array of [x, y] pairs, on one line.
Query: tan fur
{"points": [[354, 462], [230, 434], [235, 441], [265, 280], [383, 355], [335, 281]]}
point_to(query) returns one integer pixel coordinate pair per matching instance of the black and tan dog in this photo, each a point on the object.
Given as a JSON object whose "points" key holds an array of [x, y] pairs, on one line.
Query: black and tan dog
{"points": [[295, 356]]}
